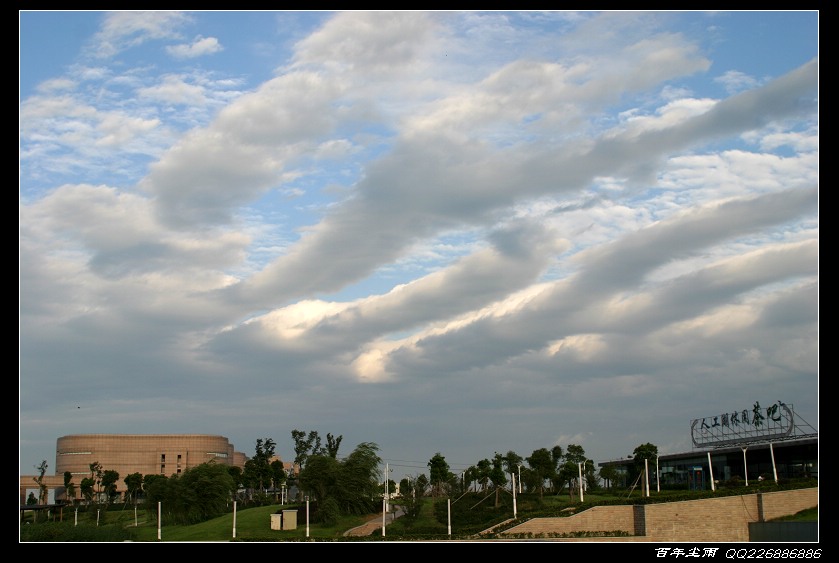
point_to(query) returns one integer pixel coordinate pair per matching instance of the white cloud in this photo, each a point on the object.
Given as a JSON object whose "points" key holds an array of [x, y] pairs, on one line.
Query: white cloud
{"points": [[199, 47], [539, 226], [121, 30], [735, 81], [175, 90], [56, 85], [117, 129], [377, 42]]}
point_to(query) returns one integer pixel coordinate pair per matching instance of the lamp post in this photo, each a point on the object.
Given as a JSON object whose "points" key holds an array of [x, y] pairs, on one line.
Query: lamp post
{"points": [[515, 512], [385, 494], [745, 466], [384, 503], [711, 471], [580, 468], [657, 481], [519, 478]]}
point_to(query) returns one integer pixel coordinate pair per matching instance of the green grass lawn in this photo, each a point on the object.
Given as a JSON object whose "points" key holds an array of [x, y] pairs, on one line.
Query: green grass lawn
{"points": [[115, 524], [808, 515], [252, 524], [469, 515]]}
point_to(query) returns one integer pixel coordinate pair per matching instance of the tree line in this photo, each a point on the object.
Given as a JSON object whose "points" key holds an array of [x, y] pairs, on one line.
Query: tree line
{"points": [[544, 471], [335, 485]]}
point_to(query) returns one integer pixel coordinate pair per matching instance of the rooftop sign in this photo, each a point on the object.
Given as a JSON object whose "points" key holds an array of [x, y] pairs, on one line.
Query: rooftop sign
{"points": [[744, 426]]}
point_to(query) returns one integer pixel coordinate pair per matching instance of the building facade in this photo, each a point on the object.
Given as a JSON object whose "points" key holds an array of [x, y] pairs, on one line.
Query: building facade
{"points": [[147, 454], [748, 463], [745, 445]]}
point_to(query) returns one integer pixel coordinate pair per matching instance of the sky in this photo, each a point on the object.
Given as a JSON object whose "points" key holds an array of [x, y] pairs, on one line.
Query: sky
{"points": [[453, 232]]}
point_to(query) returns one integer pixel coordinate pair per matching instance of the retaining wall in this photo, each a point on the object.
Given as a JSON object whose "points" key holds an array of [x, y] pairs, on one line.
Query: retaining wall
{"points": [[723, 519]]}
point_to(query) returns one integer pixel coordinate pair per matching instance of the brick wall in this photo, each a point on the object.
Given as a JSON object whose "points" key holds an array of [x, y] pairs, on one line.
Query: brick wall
{"points": [[598, 518], [780, 504], [724, 519], [711, 520]]}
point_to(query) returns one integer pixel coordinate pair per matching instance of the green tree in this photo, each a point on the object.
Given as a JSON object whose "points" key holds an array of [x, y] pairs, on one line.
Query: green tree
{"points": [[342, 486], [42, 486], [471, 474], [406, 487], [258, 473], [391, 486], [542, 467], [87, 489], [305, 445], [332, 445], [512, 463], [278, 475], [236, 474], [421, 485], [210, 489], [643, 452], [439, 472], [358, 479], [155, 487], [452, 484], [198, 494], [70, 487], [319, 476], [96, 473], [590, 475], [498, 476], [575, 454], [570, 469], [567, 476], [151, 478], [610, 476], [133, 486], [110, 478], [483, 473], [412, 500]]}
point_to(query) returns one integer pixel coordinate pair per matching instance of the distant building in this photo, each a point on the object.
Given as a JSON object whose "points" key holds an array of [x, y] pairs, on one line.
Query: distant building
{"points": [[746, 445], [160, 454], [750, 464]]}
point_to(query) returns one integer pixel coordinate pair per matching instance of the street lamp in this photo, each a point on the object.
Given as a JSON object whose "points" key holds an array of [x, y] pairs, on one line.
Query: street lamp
{"points": [[519, 478], [385, 494], [657, 478], [745, 465], [580, 467], [515, 511]]}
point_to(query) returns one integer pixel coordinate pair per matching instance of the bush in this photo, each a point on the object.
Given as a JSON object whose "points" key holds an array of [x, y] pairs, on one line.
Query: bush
{"points": [[67, 532], [327, 512], [734, 483]]}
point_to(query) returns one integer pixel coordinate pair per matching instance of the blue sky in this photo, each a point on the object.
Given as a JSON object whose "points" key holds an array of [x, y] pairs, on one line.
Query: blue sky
{"points": [[441, 232]]}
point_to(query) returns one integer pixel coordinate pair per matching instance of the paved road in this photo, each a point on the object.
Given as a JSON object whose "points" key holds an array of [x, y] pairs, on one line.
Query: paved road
{"points": [[374, 524]]}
